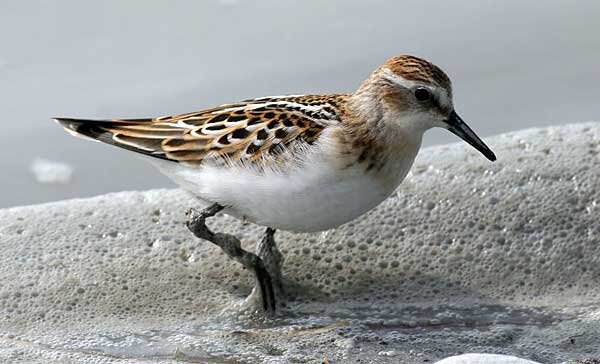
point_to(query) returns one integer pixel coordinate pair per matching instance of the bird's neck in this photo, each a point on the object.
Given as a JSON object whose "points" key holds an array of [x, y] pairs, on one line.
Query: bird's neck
{"points": [[373, 141], [368, 121]]}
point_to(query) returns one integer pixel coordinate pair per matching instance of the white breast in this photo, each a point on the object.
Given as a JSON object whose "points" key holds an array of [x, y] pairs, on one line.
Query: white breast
{"points": [[315, 196]]}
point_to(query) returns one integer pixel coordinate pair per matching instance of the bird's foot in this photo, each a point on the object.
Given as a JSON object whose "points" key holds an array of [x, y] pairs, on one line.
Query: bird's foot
{"points": [[266, 266]]}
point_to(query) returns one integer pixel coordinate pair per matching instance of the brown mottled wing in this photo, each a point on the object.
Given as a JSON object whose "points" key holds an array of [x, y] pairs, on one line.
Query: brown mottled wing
{"points": [[248, 130]]}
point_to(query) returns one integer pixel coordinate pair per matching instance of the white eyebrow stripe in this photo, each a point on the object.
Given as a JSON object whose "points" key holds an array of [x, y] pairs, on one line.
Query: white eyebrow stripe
{"points": [[399, 80], [442, 93]]}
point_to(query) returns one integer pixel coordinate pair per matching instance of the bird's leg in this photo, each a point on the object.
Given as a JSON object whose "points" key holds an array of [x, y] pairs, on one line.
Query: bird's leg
{"points": [[272, 259], [233, 248]]}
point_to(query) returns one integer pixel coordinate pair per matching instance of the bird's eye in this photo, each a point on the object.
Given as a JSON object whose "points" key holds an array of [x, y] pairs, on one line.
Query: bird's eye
{"points": [[422, 94]]}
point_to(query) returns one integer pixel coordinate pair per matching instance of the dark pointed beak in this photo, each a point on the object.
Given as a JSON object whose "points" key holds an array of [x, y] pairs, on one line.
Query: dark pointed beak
{"points": [[459, 128]]}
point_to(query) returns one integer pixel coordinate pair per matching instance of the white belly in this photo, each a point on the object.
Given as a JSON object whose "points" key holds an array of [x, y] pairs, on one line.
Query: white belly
{"points": [[315, 197]]}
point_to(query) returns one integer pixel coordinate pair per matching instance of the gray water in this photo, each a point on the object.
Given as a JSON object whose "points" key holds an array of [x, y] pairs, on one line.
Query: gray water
{"points": [[515, 64]]}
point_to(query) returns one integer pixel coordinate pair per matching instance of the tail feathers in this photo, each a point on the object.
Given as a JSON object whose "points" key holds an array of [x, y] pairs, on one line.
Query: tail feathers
{"points": [[138, 135]]}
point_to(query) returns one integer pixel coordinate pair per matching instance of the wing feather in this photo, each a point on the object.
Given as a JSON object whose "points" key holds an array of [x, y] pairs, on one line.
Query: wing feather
{"points": [[248, 130]]}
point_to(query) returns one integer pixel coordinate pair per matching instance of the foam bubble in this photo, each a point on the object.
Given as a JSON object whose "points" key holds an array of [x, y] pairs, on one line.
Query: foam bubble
{"points": [[484, 358]]}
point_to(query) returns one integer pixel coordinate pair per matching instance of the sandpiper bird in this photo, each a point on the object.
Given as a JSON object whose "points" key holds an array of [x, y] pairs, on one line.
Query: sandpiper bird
{"points": [[301, 163]]}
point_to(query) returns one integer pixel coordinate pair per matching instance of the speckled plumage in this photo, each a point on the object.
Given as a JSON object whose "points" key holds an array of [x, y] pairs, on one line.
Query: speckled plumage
{"points": [[248, 131]]}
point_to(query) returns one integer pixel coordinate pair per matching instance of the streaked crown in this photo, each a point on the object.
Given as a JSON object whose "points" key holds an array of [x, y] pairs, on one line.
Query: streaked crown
{"points": [[418, 70]]}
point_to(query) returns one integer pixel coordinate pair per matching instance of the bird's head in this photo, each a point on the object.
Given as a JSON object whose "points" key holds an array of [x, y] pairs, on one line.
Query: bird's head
{"points": [[417, 95]]}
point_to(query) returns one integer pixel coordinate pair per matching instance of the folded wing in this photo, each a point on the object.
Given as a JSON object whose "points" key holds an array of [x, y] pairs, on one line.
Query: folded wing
{"points": [[249, 130]]}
